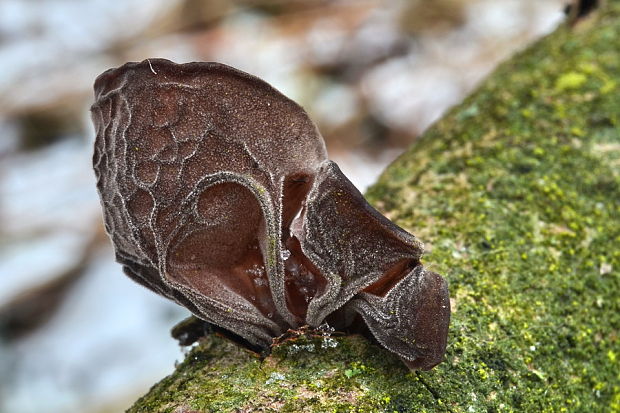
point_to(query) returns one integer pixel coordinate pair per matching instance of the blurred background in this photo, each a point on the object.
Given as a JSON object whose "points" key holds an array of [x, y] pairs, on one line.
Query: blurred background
{"points": [[76, 335]]}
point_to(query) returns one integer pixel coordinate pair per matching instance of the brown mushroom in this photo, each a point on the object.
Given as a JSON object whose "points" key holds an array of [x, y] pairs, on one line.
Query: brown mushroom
{"points": [[217, 193]]}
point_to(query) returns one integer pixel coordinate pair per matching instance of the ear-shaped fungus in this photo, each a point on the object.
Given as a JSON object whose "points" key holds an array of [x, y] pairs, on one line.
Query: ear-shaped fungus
{"points": [[217, 193]]}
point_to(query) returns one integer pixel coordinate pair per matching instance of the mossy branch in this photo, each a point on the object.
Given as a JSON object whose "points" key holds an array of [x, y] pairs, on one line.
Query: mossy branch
{"points": [[516, 194]]}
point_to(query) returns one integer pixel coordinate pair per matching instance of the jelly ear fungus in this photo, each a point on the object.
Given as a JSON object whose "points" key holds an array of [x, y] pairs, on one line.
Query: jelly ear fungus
{"points": [[217, 193]]}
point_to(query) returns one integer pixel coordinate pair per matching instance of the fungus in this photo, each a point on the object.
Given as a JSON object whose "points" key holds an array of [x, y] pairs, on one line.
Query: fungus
{"points": [[217, 193]]}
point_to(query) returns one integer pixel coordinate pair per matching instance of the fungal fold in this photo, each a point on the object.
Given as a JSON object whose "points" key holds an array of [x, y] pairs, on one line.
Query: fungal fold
{"points": [[217, 193]]}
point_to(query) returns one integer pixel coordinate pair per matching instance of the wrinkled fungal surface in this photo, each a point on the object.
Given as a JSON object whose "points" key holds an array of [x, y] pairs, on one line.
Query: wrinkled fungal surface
{"points": [[218, 194]]}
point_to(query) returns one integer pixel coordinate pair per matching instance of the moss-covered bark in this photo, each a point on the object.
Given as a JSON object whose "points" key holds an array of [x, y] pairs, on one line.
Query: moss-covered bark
{"points": [[517, 194]]}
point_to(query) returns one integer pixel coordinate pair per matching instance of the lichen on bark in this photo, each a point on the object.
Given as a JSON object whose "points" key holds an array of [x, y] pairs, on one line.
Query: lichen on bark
{"points": [[515, 193]]}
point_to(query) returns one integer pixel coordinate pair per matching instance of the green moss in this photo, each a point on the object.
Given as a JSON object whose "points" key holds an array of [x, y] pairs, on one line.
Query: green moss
{"points": [[515, 193], [570, 80], [310, 374], [519, 207]]}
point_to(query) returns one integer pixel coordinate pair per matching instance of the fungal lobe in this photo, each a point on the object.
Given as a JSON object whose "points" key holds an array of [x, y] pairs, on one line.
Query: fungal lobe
{"points": [[217, 193]]}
